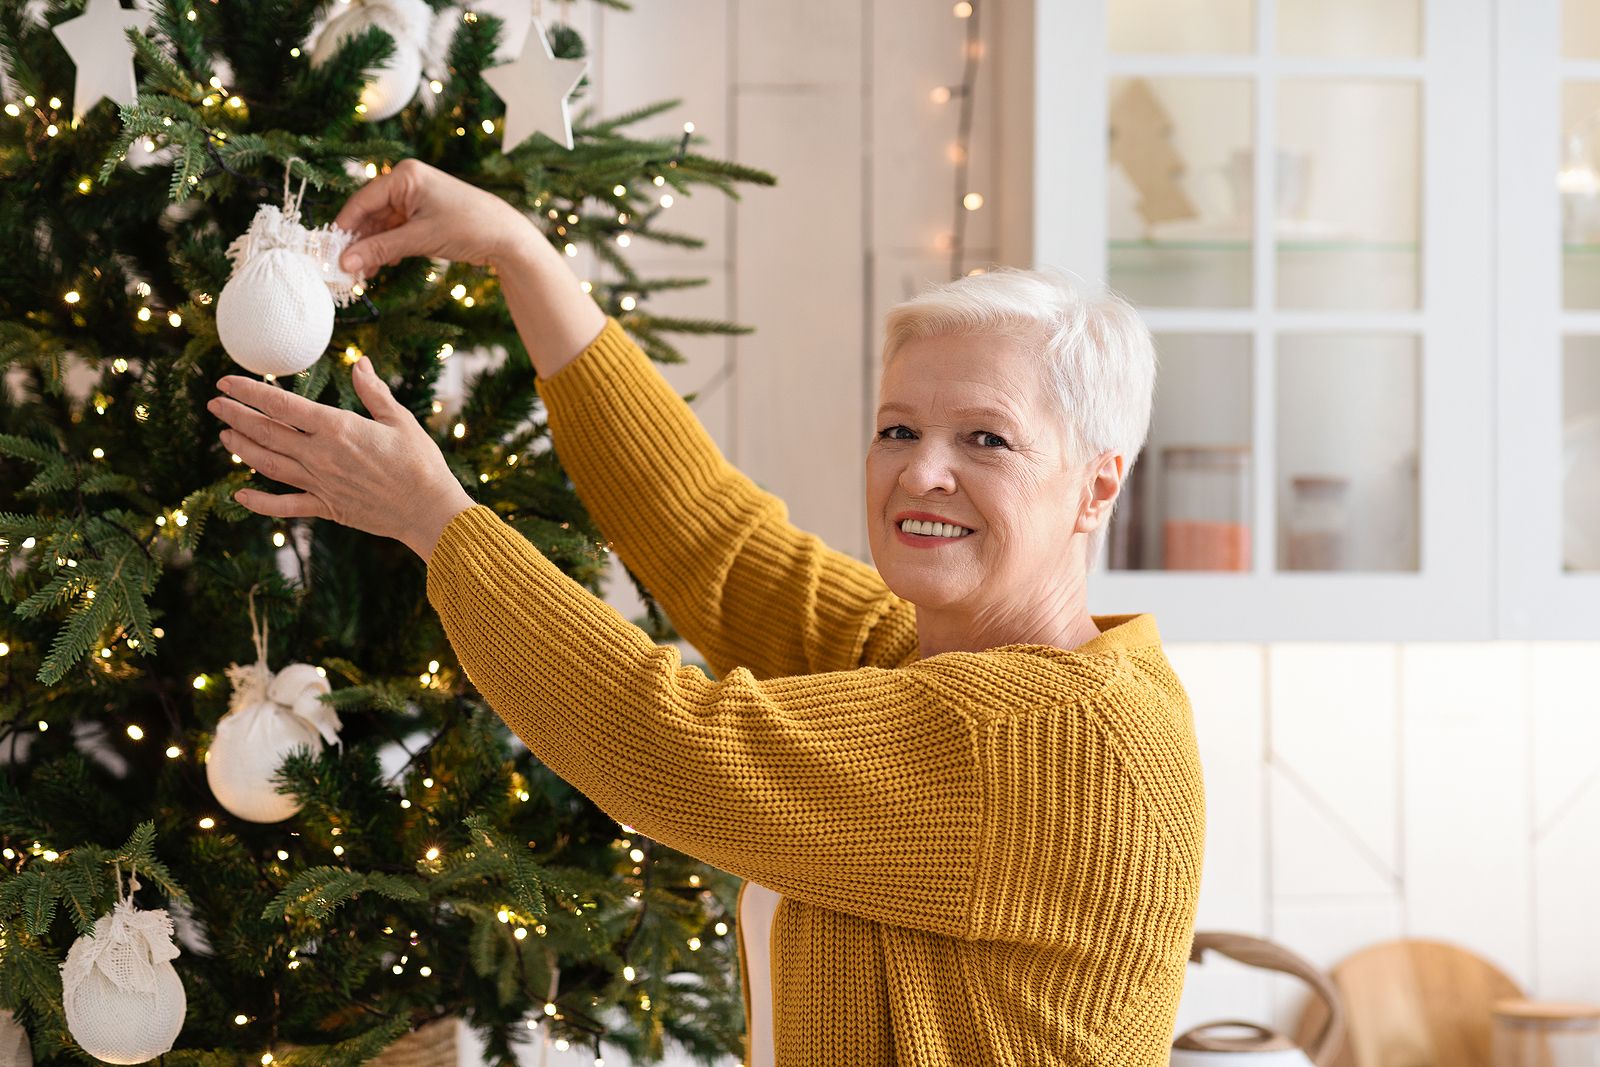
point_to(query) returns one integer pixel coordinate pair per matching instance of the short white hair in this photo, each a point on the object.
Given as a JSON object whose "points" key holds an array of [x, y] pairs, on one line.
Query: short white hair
{"points": [[1095, 352]]}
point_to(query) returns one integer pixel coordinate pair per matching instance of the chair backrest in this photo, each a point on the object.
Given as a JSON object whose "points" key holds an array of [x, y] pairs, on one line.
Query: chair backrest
{"points": [[1414, 1003], [1321, 1045]]}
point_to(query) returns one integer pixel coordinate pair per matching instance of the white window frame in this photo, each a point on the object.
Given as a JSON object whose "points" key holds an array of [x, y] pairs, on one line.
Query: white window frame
{"points": [[1537, 599]]}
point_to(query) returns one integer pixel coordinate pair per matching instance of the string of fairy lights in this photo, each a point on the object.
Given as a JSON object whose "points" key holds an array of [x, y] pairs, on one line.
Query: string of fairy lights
{"points": [[569, 221], [967, 200]]}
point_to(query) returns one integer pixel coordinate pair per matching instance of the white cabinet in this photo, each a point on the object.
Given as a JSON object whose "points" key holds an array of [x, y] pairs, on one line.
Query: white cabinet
{"points": [[1300, 198], [1548, 318]]}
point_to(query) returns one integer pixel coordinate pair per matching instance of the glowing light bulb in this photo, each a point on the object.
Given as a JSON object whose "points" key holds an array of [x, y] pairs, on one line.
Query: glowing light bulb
{"points": [[207, 823], [134, 730], [71, 297], [940, 94], [972, 201]]}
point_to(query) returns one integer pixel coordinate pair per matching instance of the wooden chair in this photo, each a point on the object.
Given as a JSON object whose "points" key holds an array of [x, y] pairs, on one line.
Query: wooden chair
{"points": [[1413, 1003]]}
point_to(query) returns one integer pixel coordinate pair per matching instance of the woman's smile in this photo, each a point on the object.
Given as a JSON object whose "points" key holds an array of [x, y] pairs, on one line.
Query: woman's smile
{"points": [[924, 540]]}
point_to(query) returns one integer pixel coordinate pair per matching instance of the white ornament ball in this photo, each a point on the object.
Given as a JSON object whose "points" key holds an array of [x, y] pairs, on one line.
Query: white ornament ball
{"points": [[274, 315], [254, 739], [15, 1050], [123, 998], [392, 86]]}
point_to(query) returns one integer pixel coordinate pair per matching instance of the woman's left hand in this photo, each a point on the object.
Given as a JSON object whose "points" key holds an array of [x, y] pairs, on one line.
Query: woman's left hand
{"points": [[383, 474]]}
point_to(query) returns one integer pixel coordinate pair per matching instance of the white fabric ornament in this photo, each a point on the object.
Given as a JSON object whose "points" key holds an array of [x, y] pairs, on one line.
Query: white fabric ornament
{"points": [[391, 86], [15, 1050], [275, 314], [123, 998], [269, 716]]}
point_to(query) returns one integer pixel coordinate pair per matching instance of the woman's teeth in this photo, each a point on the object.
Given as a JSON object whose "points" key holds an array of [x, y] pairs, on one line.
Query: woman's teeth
{"points": [[933, 529]]}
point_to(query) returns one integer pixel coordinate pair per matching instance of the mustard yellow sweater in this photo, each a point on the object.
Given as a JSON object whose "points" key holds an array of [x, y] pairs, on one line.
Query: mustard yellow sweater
{"points": [[985, 858]]}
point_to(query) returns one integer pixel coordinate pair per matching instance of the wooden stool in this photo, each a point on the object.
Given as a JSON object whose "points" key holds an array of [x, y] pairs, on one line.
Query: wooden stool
{"points": [[1546, 1033]]}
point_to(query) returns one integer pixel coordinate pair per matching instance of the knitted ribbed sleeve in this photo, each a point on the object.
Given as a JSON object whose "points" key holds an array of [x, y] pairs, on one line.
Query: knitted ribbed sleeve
{"points": [[740, 583]]}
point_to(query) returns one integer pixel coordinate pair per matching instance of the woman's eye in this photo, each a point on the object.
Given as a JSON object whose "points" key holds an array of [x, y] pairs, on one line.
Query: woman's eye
{"points": [[888, 434]]}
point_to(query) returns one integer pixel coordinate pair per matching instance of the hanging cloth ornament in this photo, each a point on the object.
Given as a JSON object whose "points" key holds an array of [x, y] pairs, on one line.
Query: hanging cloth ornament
{"points": [[123, 998], [391, 86], [15, 1049], [535, 88], [275, 315], [269, 716]]}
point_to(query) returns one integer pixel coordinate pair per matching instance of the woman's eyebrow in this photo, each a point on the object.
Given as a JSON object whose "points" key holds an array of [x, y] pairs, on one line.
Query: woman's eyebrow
{"points": [[960, 413]]}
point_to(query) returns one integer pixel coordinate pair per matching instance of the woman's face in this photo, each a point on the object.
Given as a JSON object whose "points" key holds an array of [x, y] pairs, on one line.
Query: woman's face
{"points": [[966, 432]]}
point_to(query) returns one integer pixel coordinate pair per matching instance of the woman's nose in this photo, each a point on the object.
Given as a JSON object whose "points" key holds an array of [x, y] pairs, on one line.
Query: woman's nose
{"points": [[927, 470]]}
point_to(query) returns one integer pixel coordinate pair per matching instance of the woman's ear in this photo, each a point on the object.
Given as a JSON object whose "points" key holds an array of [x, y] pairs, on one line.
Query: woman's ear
{"points": [[1106, 475]]}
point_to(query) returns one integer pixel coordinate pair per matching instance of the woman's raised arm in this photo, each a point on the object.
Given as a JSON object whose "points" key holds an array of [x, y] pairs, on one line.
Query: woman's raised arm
{"points": [[739, 582], [418, 210]]}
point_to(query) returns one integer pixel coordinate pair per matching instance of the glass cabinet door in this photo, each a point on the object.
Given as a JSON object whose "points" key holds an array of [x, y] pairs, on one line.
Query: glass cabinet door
{"points": [[1297, 197], [1549, 334]]}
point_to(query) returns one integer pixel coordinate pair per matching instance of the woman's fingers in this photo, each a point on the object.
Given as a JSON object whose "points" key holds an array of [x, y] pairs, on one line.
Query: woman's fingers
{"points": [[385, 247], [371, 204], [374, 393], [283, 505], [259, 428], [291, 409], [275, 465]]}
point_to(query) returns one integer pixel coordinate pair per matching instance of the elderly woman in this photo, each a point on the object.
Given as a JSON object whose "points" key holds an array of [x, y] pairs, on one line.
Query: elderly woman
{"points": [[969, 814]]}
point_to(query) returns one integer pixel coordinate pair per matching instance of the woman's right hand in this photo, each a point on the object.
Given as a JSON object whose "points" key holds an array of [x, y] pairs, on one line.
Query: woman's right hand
{"points": [[419, 210]]}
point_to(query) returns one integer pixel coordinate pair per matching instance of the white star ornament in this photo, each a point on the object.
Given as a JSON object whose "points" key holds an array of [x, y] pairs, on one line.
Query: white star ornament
{"points": [[101, 53], [535, 87]]}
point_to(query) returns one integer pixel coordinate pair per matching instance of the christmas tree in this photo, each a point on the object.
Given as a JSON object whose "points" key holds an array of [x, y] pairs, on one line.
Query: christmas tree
{"points": [[431, 867]]}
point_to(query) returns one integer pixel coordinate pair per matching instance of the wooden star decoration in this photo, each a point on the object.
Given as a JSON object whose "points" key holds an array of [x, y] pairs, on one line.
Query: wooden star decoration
{"points": [[535, 87], [100, 50]]}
